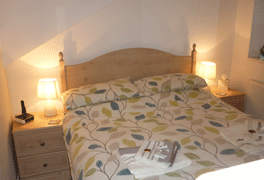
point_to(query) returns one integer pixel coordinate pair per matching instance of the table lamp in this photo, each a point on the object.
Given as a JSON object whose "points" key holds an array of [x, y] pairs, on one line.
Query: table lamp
{"points": [[48, 89], [207, 70]]}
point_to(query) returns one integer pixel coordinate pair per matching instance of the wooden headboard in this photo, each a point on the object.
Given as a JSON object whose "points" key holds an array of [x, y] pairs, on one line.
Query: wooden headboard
{"points": [[135, 63]]}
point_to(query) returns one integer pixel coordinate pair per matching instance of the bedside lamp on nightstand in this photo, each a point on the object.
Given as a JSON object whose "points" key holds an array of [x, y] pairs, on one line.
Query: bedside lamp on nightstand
{"points": [[207, 71], [48, 89]]}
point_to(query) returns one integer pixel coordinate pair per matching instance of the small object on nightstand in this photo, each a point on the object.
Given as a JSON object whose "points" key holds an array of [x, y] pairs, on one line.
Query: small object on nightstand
{"points": [[24, 117], [24, 111], [20, 119], [54, 121], [223, 85]]}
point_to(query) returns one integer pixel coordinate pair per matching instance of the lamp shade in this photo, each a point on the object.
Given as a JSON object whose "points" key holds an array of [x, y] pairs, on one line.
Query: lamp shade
{"points": [[207, 70], [48, 89]]}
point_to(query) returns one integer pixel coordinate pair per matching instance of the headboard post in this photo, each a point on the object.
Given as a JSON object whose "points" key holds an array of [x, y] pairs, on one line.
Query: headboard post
{"points": [[62, 73], [194, 59]]}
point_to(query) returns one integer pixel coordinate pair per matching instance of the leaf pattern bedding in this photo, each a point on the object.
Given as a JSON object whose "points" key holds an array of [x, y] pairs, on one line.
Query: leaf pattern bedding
{"points": [[192, 118]]}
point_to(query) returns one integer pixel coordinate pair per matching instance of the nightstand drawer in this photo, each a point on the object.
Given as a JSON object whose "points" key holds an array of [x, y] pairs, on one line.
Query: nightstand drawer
{"points": [[63, 175], [42, 164], [38, 143], [236, 101]]}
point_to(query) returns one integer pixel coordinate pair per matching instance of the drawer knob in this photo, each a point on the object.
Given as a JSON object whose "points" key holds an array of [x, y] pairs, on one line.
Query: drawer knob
{"points": [[42, 144], [45, 165]]}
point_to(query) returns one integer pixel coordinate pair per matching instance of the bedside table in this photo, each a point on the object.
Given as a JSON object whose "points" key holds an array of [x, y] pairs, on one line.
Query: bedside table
{"points": [[40, 149], [233, 97]]}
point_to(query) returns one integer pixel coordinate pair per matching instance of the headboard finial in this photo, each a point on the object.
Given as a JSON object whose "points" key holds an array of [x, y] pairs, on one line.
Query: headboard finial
{"points": [[61, 55], [194, 59], [62, 73], [194, 47]]}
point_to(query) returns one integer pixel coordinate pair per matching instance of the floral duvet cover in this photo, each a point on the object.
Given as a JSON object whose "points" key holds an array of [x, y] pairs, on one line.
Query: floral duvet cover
{"points": [[192, 118]]}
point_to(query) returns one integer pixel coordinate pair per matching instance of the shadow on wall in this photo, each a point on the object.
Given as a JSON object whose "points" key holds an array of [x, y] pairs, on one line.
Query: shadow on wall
{"points": [[223, 55], [180, 29], [110, 40], [117, 26], [222, 50], [70, 46]]}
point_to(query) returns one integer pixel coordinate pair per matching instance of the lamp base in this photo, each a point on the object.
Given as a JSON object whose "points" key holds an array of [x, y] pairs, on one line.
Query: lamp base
{"points": [[50, 110]]}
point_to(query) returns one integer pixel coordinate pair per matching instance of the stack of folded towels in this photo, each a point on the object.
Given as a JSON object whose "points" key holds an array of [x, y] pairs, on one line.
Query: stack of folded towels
{"points": [[248, 137], [153, 158]]}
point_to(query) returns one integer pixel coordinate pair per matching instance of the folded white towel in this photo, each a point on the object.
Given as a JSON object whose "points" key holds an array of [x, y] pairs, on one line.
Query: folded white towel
{"points": [[140, 169], [238, 137]]}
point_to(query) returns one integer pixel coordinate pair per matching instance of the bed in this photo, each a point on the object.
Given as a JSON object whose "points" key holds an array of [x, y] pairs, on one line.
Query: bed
{"points": [[162, 99]]}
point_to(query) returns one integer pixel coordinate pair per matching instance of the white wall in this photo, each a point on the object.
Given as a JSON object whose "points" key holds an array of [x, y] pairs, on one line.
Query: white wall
{"points": [[168, 25], [243, 68], [6, 163]]}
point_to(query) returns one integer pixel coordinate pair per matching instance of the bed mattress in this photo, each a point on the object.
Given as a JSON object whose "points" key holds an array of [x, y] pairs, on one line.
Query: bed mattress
{"points": [[192, 118]]}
